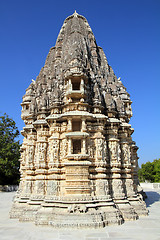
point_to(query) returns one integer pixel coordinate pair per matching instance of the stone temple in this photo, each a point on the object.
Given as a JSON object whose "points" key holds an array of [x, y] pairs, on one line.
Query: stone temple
{"points": [[78, 161]]}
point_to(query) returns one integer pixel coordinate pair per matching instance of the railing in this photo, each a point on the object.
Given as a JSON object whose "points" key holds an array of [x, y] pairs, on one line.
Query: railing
{"points": [[150, 185], [8, 188]]}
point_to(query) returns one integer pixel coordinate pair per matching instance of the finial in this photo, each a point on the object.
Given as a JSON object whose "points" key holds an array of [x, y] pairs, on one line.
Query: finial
{"points": [[75, 13]]}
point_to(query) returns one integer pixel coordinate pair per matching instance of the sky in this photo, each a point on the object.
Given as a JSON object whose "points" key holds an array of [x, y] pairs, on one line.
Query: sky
{"points": [[129, 33]]}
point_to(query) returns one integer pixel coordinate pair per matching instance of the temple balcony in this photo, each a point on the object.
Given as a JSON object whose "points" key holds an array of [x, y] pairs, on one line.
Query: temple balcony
{"points": [[25, 110], [77, 135], [77, 156], [77, 144], [75, 88], [75, 93]]}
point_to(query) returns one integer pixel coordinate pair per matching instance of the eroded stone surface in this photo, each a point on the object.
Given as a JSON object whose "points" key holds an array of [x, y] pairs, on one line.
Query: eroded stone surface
{"points": [[78, 160]]}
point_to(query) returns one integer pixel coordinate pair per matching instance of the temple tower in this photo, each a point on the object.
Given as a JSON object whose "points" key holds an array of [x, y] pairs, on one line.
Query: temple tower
{"points": [[78, 160]]}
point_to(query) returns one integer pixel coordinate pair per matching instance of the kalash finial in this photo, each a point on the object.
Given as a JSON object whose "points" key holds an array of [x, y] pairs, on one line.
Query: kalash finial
{"points": [[75, 13]]}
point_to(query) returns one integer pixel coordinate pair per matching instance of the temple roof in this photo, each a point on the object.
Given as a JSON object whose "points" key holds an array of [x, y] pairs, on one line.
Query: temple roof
{"points": [[76, 53]]}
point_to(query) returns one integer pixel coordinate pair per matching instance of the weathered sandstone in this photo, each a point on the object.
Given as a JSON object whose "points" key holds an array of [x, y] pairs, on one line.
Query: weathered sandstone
{"points": [[78, 161]]}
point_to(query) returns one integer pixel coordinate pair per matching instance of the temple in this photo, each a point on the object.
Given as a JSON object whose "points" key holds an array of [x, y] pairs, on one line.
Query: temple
{"points": [[78, 161]]}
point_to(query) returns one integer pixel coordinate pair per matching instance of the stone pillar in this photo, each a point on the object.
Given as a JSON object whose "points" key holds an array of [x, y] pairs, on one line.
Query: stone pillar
{"points": [[83, 146], [69, 85], [134, 170], [51, 187], [101, 177], [69, 128], [83, 129], [91, 147], [30, 156], [41, 150], [82, 85], [115, 163], [39, 188], [126, 161], [69, 146], [53, 160], [22, 164]]}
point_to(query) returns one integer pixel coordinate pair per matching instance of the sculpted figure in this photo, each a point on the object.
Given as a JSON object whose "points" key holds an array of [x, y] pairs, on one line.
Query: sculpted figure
{"points": [[113, 149], [42, 151], [126, 153], [31, 154], [99, 147], [119, 154]]}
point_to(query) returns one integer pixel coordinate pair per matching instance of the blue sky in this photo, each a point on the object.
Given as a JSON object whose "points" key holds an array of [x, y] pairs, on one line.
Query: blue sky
{"points": [[129, 33]]}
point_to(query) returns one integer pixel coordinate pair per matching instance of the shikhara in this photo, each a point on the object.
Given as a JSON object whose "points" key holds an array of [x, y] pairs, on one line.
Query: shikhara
{"points": [[78, 161]]}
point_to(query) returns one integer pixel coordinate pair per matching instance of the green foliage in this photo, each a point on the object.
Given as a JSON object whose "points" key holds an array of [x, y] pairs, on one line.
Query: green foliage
{"points": [[9, 151], [150, 171], [156, 170]]}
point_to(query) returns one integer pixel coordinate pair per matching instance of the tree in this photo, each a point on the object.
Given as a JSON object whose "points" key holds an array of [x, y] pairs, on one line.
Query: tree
{"points": [[156, 163], [150, 171], [9, 151]]}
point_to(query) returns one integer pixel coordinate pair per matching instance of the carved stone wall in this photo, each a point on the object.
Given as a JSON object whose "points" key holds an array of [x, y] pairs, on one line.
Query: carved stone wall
{"points": [[78, 161]]}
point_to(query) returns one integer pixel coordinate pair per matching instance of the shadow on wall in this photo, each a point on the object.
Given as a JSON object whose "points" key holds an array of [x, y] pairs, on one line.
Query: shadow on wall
{"points": [[152, 197]]}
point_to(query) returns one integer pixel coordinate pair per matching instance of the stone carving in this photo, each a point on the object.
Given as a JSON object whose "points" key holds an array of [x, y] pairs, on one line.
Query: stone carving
{"points": [[40, 187], [126, 153], [53, 152], [26, 188], [41, 150], [104, 151], [91, 148], [118, 153], [78, 162], [129, 187], [102, 188], [55, 149], [118, 191], [99, 147], [30, 156], [23, 157], [64, 146], [77, 208], [113, 149], [51, 187]]}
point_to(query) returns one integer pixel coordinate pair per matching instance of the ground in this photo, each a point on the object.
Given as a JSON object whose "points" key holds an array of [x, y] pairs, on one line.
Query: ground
{"points": [[144, 228]]}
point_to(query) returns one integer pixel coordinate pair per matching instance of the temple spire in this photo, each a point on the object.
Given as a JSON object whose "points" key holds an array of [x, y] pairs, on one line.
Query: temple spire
{"points": [[78, 161]]}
